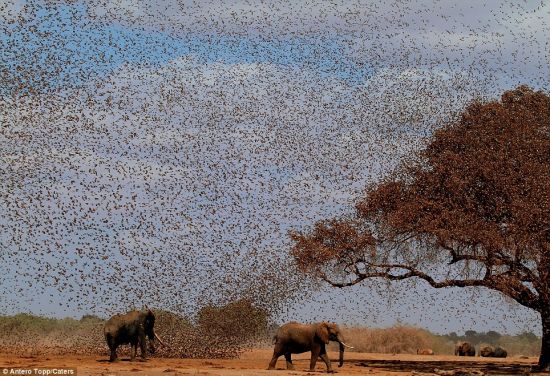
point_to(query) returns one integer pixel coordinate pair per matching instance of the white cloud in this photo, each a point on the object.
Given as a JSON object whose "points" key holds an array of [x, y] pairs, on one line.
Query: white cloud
{"points": [[504, 35], [207, 162]]}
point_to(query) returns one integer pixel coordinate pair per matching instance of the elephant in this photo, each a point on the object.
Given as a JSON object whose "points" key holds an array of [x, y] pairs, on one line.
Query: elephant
{"points": [[424, 352], [297, 338], [486, 351], [131, 328], [489, 351], [465, 349], [500, 352]]}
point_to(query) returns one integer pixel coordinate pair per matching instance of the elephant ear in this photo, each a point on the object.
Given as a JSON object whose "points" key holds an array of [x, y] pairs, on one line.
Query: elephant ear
{"points": [[322, 332]]}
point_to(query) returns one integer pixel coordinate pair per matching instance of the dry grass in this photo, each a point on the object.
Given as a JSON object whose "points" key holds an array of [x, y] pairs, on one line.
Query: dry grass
{"points": [[407, 339], [520, 345], [218, 332], [30, 335], [395, 340], [214, 335]]}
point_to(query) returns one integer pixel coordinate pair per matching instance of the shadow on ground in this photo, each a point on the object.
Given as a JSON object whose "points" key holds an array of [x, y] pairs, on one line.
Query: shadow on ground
{"points": [[430, 366]]}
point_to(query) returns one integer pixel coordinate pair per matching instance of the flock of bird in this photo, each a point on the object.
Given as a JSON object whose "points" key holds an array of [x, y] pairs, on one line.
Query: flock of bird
{"points": [[168, 167]]}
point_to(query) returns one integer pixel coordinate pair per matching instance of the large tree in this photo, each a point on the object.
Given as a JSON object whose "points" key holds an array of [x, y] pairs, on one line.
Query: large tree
{"points": [[471, 209]]}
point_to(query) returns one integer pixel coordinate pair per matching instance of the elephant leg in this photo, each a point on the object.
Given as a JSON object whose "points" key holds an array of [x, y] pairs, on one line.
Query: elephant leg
{"points": [[112, 358], [133, 351], [315, 351], [288, 358], [276, 354], [111, 342], [323, 355], [143, 346]]}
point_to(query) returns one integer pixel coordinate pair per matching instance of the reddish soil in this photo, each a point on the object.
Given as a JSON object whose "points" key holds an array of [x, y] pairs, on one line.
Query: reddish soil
{"points": [[254, 362]]}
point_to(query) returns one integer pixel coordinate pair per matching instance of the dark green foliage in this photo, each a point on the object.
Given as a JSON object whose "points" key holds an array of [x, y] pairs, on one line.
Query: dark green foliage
{"points": [[526, 343], [91, 318], [491, 337]]}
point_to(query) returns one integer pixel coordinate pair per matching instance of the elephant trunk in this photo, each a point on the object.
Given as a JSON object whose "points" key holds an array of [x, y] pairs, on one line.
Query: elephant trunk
{"points": [[341, 359], [342, 345]]}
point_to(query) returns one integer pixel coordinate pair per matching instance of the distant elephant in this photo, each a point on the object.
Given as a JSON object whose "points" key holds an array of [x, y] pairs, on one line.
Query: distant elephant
{"points": [[424, 352], [486, 351], [296, 338], [500, 352], [131, 328], [489, 351], [465, 349]]}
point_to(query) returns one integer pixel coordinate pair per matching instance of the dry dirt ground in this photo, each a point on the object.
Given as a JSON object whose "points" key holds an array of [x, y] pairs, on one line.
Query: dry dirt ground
{"points": [[254, 362]]}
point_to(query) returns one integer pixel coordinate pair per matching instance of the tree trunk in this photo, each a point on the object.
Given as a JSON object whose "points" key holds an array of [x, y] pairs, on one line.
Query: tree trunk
{"points": [[544, 359]]}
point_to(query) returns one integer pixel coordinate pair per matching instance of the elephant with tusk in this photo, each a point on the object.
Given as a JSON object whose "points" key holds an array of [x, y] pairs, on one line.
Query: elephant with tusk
{"points": [[296, 338], [131, 328]]}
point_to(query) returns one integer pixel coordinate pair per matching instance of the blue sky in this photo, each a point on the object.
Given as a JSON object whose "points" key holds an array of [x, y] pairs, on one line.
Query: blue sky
{"points": [[63, 37], [169, 143]]}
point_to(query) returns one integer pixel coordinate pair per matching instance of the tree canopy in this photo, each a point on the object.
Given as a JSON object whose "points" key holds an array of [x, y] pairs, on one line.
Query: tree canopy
{"points": [[471, 209]]}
